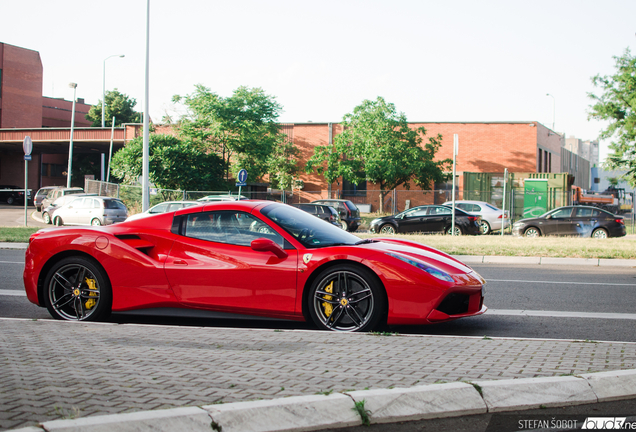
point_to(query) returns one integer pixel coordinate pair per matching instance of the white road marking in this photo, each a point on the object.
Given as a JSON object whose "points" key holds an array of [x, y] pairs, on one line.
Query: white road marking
{"points": [[561, 314], [555, 282], [13, 293], [11, 262]]}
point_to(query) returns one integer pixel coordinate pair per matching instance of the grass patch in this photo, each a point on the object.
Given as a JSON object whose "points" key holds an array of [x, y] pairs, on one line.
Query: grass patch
{"points": [[497, 245], [16, 234], [363, 412]]}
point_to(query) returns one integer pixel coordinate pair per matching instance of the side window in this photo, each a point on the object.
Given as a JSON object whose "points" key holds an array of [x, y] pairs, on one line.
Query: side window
{"points": [[160, 208], [440, 211], [230, 227], [476, 208], [464, 206], [563, 213], [587, 212]]}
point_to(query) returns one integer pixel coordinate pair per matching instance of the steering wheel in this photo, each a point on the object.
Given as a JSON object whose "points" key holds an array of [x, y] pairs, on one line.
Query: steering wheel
{"points": [[304, 234]]}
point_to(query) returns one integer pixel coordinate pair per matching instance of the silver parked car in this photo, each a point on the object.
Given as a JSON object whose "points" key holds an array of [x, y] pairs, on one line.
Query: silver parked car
{"points": [[95, 210], [491, 216]]}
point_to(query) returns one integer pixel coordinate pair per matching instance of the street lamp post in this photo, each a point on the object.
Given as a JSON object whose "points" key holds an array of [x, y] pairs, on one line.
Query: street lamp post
{"points": [[70, 144], [553, 103], [104, 89]]}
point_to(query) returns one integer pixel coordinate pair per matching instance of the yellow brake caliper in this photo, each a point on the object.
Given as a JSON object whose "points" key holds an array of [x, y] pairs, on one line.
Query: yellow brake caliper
{"points": [[92, 285], [327, 306]]}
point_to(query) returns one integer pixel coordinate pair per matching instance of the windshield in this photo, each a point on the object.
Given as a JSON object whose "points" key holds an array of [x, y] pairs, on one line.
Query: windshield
{"points": [[307, 229]]}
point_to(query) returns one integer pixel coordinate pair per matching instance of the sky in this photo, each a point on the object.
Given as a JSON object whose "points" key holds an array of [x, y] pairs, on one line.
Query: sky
{"points": [[437, 61]]}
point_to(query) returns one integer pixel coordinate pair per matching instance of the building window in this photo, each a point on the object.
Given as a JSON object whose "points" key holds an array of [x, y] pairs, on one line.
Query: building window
{"points": [[53, 170], [351, 189], [539, 168], [550, 163]]}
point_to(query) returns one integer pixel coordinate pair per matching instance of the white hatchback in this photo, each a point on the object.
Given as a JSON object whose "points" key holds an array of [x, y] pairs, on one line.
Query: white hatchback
{"points": [[491, 216], [91, 210]]}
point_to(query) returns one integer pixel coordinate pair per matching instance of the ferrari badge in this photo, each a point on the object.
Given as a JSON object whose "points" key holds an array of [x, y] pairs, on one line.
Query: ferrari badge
{"points": [[307, 258]]}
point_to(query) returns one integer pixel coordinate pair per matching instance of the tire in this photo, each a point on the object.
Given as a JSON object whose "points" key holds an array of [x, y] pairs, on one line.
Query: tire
{"points": [[387, 229], [46, 217], [458, 231], [600, 233], [354, 229], [344, 225], [484, 228], [96, 222], [532, 232], [38, 209], [77, 289], [358, 303], [58, 221], [10, 200]]}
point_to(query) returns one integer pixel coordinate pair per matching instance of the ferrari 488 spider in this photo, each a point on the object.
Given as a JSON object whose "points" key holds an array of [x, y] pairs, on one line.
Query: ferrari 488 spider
{"points": [[254, 258]]}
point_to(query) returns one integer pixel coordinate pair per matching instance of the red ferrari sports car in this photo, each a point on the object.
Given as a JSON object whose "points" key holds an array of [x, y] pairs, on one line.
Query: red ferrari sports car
{"points": [[256, 258]]}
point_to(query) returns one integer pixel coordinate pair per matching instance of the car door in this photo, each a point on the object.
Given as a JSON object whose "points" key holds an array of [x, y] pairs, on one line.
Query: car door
{"points": [[438, 218], [213, 265], [413, 220], [559, 222]]}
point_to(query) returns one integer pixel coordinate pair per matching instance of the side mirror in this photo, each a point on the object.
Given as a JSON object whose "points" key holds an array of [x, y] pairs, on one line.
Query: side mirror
{"points": [[267, 245], [548, 217]]}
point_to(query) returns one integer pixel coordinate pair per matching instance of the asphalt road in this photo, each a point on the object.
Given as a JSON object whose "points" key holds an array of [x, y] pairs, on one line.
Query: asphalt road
{"points": [[585, 303]]}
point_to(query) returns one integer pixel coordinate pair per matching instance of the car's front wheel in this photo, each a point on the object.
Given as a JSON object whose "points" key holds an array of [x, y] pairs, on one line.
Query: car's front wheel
{"points": [[77, 289], [96, 222], [10, 200], [347, 298], [600, 233], [46, 217], [532, 232], [387, 229]]}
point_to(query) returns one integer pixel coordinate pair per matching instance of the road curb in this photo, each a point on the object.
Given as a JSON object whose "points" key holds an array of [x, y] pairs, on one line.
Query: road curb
{"points": [[307, 413]]}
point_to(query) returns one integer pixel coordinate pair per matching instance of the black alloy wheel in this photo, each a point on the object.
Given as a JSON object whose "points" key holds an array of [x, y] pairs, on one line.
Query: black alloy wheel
{"points": [[77, 289], [347, 298]]}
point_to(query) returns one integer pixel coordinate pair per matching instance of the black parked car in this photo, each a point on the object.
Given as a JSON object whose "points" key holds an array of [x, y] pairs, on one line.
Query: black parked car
{"points": [[428, 219], [349, 214], [577, 221], [324, 212], [12, 194]]}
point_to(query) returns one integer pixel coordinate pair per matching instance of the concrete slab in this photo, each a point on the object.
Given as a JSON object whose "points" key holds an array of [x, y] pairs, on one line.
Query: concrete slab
{"points": [[617, 262], [613, 385], [28, 429], [299, 413], [169, 420], [570, 261], [511, 260], [420, 402], [529, 393], [469, 259]]}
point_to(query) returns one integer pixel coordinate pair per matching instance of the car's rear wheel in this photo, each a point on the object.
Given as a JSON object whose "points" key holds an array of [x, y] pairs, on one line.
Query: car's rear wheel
{"points": [[344, 225], [346, 298], [58, 221], [458, 230], [46, 217], [10, 200], [96, 222], [532, 232], [600, 233], [387, 229], [77, 289], [484, 227]]}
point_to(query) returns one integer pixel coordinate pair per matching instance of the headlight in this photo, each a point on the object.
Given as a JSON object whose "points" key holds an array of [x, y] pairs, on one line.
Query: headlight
{"points": [[375, 221], [517, 224], [439, 274]]}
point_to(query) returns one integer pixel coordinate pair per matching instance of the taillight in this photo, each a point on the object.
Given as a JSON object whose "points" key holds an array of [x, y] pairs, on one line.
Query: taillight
{"points": [[620, 221], [473, 218], [348, 211]]}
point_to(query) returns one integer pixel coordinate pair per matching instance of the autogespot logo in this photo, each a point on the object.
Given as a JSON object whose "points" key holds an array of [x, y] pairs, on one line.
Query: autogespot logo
{"points": [[608, 423]]}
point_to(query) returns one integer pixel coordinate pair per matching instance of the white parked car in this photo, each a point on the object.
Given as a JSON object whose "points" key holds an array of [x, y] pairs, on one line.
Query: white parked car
{"points": [[491, 216], [91, 210], [164, 207]]}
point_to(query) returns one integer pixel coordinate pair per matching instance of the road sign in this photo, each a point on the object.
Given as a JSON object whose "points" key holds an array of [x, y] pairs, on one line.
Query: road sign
{"points": [[27, 145], [242, 176], [27, 157], [241, 184]]}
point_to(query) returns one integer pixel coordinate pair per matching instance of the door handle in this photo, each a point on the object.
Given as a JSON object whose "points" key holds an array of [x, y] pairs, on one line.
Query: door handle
{"points": [[180, 262]]}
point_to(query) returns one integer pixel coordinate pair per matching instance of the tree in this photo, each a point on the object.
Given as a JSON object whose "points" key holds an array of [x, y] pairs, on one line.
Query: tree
{"points": [[283, 164], [242, 128], [172, 165], [377, 145], [617, 104], [117, 104]]}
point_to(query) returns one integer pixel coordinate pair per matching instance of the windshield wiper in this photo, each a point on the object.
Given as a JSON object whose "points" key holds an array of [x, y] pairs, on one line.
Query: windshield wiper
{"points": [[365, 241]]}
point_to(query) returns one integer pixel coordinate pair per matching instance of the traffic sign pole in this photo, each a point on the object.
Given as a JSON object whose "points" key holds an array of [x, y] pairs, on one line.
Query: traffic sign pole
{"points": [[27, 145], [242, 178]]}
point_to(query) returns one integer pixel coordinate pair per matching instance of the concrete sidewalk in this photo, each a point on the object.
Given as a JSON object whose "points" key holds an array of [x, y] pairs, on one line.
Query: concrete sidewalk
{"points": [[134, 377]]}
